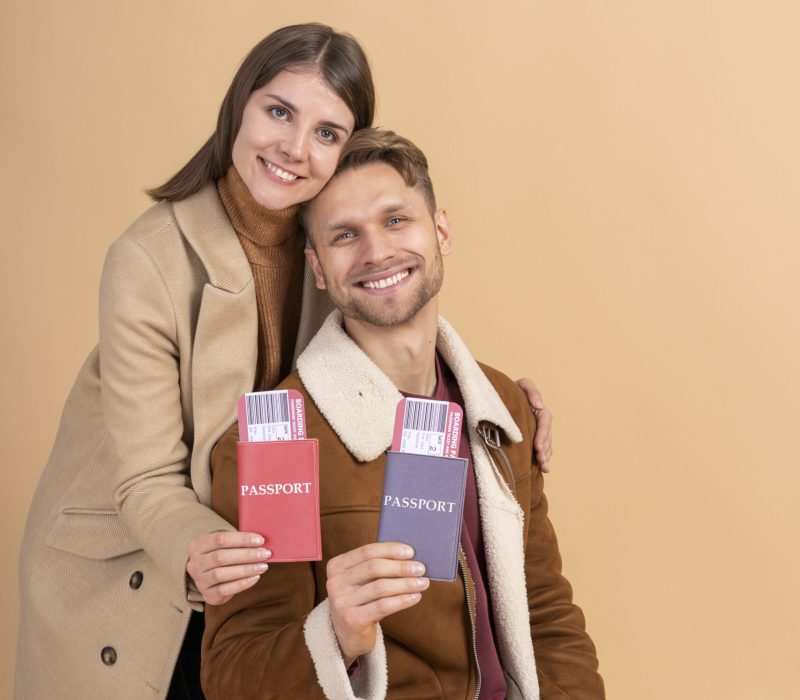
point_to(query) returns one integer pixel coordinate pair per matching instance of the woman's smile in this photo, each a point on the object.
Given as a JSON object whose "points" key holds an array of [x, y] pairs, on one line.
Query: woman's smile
{"points": [[279, 174]]}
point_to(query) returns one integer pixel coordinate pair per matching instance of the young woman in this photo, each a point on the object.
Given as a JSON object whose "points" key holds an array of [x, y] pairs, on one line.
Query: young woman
{"points": [[202, 299]]}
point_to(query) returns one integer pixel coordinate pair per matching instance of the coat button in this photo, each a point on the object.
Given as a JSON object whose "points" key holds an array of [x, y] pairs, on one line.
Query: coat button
{"points": [[136, 579], [109, 656]]}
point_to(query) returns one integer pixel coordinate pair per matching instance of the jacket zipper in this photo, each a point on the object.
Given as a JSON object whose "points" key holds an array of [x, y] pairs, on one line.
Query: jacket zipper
{"points": [[495, 445], [462, 563]]}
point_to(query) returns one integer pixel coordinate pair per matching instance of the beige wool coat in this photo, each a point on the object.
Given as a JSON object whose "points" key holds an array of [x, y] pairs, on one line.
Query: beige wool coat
{"points": [[104, 600]]}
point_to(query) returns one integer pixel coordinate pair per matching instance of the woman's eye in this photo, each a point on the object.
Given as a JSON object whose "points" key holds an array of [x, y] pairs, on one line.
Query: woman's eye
{"points": [[278, 112], [328, 135]]}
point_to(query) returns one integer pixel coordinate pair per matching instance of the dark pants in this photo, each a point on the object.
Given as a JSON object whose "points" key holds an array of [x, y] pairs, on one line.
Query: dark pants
{"points": [[186, 677]]}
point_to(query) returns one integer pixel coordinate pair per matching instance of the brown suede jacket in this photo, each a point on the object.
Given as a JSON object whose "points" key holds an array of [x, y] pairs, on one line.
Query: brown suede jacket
{"points": [[276, 639]]}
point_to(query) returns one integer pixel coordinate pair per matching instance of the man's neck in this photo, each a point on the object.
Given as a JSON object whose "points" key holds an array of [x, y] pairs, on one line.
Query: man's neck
{"points": [[405, 353]]}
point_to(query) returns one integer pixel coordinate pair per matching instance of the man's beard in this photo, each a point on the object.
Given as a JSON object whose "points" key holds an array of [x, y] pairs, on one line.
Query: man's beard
{"points": [[382, 311]]}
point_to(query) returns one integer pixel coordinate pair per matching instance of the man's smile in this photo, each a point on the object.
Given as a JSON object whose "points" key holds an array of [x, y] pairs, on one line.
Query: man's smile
{"points": [[388, 279]]}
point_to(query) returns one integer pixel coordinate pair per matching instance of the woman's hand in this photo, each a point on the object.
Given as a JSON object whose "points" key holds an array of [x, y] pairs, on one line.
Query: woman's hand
{"points": [[542, 441], [223, 564]]}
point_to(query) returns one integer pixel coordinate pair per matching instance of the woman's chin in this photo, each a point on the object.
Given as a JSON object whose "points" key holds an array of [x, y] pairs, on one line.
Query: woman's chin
{"points": [[271, 197]]}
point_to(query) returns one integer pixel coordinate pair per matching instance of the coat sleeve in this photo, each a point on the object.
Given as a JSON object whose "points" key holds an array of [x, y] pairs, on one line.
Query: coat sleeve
{"points": [[566, 661], [275, 640], [143, 414]]}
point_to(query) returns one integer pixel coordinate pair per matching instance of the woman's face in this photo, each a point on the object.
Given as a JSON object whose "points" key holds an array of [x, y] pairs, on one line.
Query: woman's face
{"points": [[292, 131]]}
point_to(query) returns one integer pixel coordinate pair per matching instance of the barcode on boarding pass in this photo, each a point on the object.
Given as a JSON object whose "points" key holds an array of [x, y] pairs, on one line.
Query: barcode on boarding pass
{"points": [[424, 427], [267, 416]]}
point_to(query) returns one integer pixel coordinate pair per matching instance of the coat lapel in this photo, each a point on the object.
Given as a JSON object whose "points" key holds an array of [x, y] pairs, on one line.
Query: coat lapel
{"points": [[204, 223], [225, 344], [223, 368]]}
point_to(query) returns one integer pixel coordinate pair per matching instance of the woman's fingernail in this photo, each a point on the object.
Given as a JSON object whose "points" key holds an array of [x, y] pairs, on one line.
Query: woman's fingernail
{"points": [[261, 567], [256, 540]]}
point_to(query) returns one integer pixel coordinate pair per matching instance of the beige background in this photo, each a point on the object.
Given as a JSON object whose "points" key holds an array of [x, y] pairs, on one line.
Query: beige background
{"points": [[623, 178]]}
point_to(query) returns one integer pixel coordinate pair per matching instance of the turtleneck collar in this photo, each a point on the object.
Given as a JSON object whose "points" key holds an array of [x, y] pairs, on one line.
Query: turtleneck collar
{"points": [[272, 233]]}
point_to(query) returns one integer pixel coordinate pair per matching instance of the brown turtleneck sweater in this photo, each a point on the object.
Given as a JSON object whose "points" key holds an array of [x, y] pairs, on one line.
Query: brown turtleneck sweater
{"points": [[273, 244]]}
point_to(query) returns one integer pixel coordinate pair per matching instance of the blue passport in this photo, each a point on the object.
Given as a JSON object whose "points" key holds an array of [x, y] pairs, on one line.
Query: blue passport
{"points": [[422, 506]]}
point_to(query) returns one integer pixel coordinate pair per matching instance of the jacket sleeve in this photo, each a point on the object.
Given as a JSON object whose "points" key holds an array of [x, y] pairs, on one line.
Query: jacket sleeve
{"points": [[566, 661], [142, 411], [275, 640]]}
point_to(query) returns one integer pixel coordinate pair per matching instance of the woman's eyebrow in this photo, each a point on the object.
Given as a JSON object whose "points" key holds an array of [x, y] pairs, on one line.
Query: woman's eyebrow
{"points": [[290, 106], [283, 101]]}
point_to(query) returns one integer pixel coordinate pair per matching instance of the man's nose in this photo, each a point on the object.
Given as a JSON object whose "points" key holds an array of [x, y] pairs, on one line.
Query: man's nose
{"points": [[379, 247]]}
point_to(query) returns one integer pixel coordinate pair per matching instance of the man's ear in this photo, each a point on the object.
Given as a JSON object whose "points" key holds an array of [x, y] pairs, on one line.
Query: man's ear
{"points": [[313, 261], [443, 231]]}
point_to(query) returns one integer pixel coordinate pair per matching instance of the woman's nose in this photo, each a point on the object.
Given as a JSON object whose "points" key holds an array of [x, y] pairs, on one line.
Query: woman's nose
{"points": [[294, 145]]}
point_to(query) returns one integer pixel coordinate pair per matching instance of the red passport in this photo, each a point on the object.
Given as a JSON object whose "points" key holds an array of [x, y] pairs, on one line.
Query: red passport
{"points": [[279, 497]]}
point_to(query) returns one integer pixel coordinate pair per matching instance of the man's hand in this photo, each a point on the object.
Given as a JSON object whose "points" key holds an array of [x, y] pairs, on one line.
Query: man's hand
{"points": [[542, 442], [223, 564], [367, 584]]}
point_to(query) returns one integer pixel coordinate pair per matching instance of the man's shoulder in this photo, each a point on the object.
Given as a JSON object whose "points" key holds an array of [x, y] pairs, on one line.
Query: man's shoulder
{"points": [[511, 395], [506, 387]]}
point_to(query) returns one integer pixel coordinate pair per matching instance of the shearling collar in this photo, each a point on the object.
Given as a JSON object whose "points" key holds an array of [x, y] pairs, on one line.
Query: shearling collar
{"points": [[359, 400]]}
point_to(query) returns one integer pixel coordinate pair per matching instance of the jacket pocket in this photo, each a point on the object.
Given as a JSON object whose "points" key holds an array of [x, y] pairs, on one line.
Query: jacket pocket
{"points": [[93, 533]]}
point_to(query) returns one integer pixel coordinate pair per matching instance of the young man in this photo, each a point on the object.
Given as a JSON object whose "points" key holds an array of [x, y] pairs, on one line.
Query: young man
{"points": [[365, 622]]}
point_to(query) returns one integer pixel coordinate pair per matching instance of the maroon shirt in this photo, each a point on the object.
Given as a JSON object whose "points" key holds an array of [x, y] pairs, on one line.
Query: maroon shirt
{"points": [[493, 685]]}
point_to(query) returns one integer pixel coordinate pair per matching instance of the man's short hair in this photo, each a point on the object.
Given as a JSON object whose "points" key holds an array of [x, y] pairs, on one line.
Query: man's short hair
{"points": [[367, 146]]}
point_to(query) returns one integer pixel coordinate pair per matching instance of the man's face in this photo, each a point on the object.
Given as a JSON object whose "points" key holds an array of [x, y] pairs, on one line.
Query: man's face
{"points": [[378, 249]]}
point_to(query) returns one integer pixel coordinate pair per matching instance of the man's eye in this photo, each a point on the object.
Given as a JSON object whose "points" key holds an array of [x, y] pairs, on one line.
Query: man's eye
{"points": [[343, 236], [395, 220], [278, 112]]}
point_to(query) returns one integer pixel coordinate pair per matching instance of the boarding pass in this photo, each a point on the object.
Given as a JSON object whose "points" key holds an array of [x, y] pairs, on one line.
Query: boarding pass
{"points": [[427, 427], [265, 416]]}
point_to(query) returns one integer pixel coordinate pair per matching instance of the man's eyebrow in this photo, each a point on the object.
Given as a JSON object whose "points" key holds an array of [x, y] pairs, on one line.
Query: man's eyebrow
{"points": [[291, 107], [396, 205], [388, 208], [338, 226]]}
